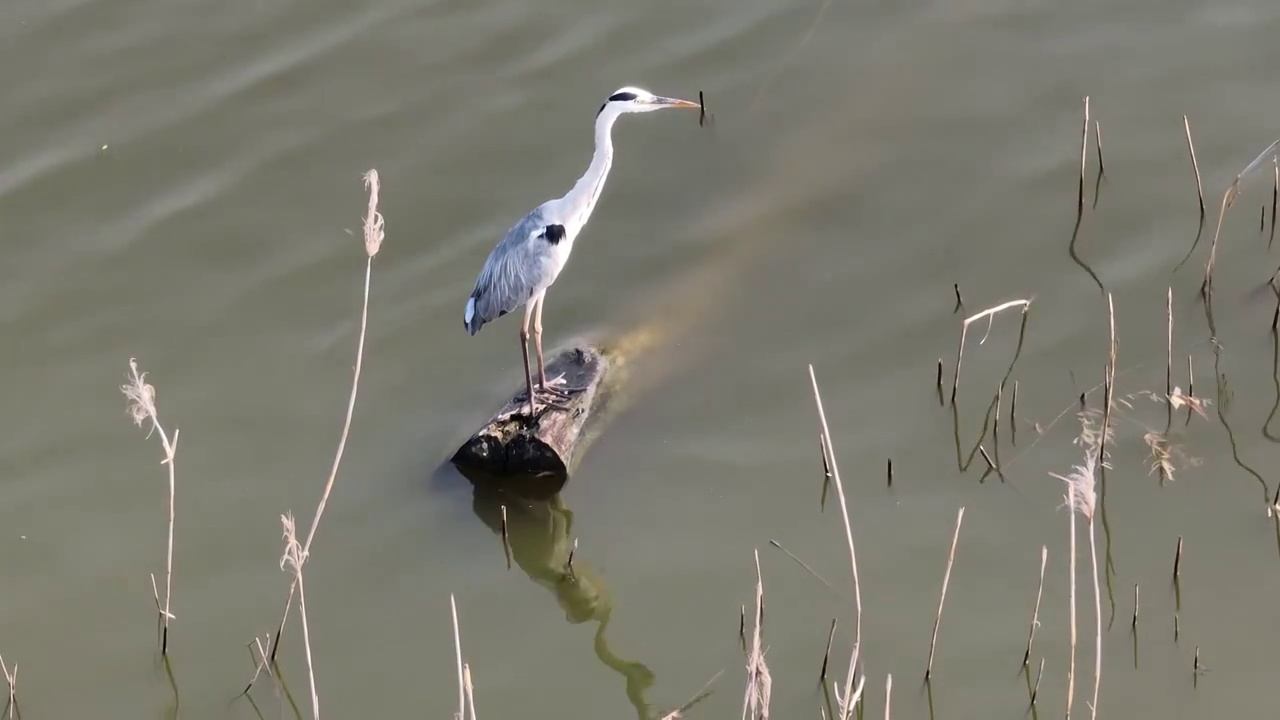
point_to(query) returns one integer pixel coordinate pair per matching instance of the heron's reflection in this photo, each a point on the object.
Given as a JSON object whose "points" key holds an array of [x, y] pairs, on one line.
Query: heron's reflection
{"points": [[540, 534]]}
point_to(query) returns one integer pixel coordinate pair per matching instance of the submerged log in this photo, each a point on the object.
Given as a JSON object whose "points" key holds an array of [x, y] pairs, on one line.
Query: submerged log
{"points": [[512, 446]]}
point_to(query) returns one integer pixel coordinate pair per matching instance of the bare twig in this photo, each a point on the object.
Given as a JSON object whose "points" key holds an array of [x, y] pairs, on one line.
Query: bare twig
{"points": [[946, 579], [142, 407]]}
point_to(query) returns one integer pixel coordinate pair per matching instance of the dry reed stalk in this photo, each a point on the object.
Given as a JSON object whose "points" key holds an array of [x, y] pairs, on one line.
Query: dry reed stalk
{"points": [[457, 647], [1109, 386], [995, 430], [11, 678], [1035, 615], [1084, 154], [959, 302], [826, 656], [888, 694], [698, 697], [946, 579], [373, 236], [1229, 198], [1036, 690], [506, 538], [141, 398], [850, 692], [990, 314], [890, 472], [1082, 498], [471, 700], [1168, 371], [1134, 624], [755, 701], [1191, 148], [1275, 199], [1191, 378], [1013, 415], [1177, 561], [802, 564], [991, 466], [1071, 671], [293, 560], [1097, 144]]}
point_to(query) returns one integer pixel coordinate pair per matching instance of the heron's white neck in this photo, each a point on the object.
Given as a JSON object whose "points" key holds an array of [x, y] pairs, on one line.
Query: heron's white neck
{"points": [[581, 200]]}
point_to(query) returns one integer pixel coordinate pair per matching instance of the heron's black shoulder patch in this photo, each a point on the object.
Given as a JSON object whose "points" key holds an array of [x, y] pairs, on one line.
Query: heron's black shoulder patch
{"points": [[553, 234]]}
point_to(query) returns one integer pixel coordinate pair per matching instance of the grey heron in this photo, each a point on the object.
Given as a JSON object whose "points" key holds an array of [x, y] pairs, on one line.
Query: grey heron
{"points": [[534, 251]]}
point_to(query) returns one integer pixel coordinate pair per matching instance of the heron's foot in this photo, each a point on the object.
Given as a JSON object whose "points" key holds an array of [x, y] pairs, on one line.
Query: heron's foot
{"points": [[541, 402], [557, 387]]}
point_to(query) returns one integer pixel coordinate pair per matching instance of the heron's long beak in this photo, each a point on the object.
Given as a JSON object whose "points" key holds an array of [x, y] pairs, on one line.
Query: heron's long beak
{"points": [[674, 102]]}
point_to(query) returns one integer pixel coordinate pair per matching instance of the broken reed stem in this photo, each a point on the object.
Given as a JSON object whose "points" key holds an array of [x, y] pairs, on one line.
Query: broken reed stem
{"points": [[849, 690], [1191, 378], [1035, 615], [989, 313], [373, 237], [457, 649], [1177, 561], [1084, 154], [1071, 669], [946, 579], [141, 398], [1191, 148]]}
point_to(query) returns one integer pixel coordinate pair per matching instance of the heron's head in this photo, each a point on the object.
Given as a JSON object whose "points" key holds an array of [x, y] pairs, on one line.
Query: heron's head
{"points": [[636, 100]]}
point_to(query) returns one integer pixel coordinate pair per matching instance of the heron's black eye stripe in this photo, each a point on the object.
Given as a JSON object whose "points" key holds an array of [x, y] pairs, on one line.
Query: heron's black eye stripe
{"points": [[622, 97]]}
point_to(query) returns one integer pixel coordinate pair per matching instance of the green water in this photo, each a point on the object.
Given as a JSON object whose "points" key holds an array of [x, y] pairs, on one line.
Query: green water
{"points": [[180, 182]]}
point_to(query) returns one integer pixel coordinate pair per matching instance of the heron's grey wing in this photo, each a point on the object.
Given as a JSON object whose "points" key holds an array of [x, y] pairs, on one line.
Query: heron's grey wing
{"points": [[513, 272]]}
